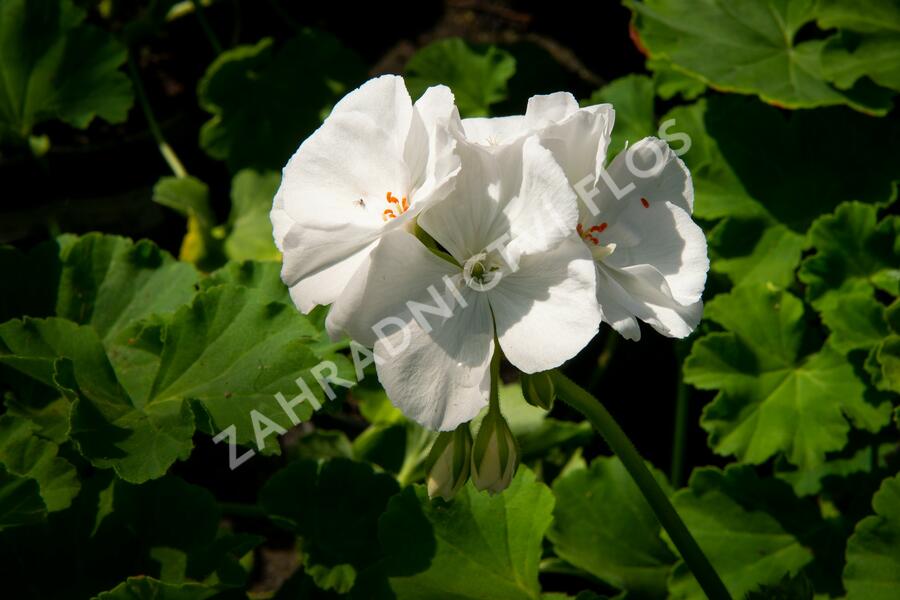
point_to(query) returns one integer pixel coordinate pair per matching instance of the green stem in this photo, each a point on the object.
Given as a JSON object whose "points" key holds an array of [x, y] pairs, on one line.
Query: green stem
{"points": [[679, 439], [600, 418], [165, 150], [237, 509], [495, 377], [207, 29], [334, 347]]}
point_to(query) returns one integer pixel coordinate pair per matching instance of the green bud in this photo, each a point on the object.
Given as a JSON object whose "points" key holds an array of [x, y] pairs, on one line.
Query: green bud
{"points": [[448, 462], [495, 455], [538, 389]]}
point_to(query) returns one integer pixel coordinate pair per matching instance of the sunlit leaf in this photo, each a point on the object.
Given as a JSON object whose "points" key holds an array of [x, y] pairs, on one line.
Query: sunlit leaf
{"points": [[855, 253], [27, 455], [632, 98], [779, 391], [478, 76], [250, 230], [732, 523], [707, 39], [871, 47]]}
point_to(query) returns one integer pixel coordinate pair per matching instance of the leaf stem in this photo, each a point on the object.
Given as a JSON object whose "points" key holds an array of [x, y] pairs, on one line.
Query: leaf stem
{"points": [[165, 150], [600, 418], [207, 29], [679, 438]]}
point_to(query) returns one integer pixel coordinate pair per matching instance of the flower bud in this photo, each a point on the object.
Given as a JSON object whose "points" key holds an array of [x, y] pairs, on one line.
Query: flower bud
{"points": [[538, 389], [495, 456], [448, 462]]}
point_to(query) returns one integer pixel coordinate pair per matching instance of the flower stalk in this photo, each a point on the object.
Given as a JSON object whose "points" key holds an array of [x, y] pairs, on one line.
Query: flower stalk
{"points": [[687, 546]]}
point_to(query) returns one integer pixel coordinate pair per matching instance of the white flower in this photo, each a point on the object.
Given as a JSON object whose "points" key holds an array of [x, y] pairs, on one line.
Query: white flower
{"points": [[375, 163], [651, 257], [522, 274]]}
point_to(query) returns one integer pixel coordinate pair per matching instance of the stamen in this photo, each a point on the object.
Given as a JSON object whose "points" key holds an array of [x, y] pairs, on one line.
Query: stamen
{"points": [[404, 206], [645, 203], [388, 214]]}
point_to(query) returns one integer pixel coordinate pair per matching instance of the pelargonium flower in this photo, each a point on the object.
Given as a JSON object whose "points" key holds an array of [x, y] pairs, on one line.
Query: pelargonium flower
{"points": [[520, 274], [373, 165], [651, 257]]}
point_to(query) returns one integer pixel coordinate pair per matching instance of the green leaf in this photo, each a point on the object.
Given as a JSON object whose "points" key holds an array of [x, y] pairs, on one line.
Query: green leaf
{"points": [[478, 75], [602, 524], [632, 97], [774, 251], [25, 454], [108, 282], [189, 197], [147, 588], [707, 38], [20, 500], [871, 50], [732, 524], [887, 355], [54, 66], [262, 109], [794, 170], [775, 395], [873, 552], [494, 540], [670, 82], [321, 505], [718, 192], [854, 254], [856, 321], [250, 230]]}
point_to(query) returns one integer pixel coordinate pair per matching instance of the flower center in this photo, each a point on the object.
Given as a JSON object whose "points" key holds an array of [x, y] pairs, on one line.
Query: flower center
{"points": [[588, 236], [396, 207], [482, 272]]}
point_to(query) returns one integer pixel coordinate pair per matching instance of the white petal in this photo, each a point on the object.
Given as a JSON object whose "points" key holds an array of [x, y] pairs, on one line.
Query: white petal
{"points": [[385, 101], [318, 263], [650, 225], [430, 151], [544, 210], [643, 292], [462, 222], [441, 378], [547, 311], [495, 132], [580, 141], [399, 270], [517, 199], [546, 109]]}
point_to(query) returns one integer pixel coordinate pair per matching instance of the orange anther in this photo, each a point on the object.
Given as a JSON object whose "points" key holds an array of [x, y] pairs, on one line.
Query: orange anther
{"points": [[392, 198], [388, 214], [405, 204]]}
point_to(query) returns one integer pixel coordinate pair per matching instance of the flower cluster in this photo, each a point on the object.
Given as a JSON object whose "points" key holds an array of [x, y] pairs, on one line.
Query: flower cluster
{"points": [[436, 239]]}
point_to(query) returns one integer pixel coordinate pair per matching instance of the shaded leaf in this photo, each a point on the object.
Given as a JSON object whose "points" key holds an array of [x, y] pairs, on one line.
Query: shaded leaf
{"points": [[56, 67], [265, 101], [873, 552], [602, 524], [494, 540]]}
